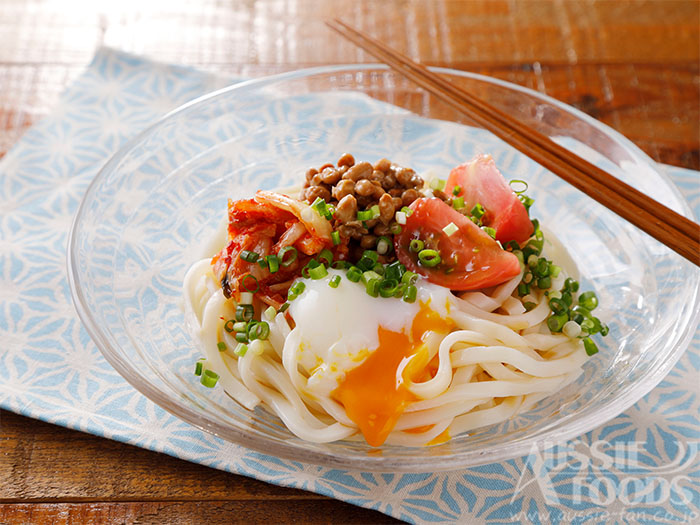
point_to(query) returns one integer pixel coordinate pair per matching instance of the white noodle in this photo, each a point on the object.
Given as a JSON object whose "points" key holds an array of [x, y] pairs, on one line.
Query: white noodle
{"points": [[498, 360]]}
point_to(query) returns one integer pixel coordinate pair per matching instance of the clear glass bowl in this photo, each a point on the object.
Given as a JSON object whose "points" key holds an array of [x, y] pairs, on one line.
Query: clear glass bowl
{"points": [[148, 213]]}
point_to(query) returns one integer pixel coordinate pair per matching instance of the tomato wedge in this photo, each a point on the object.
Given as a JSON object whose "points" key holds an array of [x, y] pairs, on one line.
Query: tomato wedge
{"points": [[470, 258], [480, 182]]}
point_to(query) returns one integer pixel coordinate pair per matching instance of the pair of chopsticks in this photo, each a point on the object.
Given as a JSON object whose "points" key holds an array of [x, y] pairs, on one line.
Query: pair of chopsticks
{"points": [[665, 225]]}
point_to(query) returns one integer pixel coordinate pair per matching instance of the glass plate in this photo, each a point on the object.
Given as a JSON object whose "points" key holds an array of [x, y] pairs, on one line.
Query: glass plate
{"points": [[147, 215]]}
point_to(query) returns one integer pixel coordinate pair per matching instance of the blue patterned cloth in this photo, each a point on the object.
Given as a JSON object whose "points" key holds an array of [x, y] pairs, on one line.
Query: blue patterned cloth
{"points": [[643, 466]]}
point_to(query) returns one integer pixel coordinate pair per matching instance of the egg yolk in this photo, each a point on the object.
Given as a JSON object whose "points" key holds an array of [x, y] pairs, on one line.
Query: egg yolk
{"points": [[374, 393]]}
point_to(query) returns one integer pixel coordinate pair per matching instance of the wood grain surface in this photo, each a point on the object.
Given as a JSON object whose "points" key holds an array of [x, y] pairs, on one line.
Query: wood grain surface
{"points": [[634, 65]]}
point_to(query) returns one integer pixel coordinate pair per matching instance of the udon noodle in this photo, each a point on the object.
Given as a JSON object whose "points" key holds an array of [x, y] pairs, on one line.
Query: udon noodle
{"points": [[490, 367], [479, 331]]}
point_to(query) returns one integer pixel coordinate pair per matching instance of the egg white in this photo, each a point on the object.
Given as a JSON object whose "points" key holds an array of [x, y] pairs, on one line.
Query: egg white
{"points": [[339, 327]]}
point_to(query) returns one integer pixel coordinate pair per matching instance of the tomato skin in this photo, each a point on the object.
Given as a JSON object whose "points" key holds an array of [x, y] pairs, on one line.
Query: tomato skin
{"points": [[481, 182], [475, 259]]}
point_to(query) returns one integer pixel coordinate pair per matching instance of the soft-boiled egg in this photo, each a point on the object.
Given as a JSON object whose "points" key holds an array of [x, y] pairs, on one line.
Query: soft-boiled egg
{"points": [[362, 350]]}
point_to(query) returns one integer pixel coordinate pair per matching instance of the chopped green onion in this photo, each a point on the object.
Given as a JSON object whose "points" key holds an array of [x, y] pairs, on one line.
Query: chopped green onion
{"points": [[518, 181], [429, 258], [209, 378], [557, 322], [579, 309], [368, 260], [364, 215], [590, 346], [400, 219], [371, 255], [571, 285], [241, 337], [597, 326], [244, 281], [335, 237], [490, 231], [369, 275], [571, 329], [543, 267], [416, 245], [228, 325], [249, 256], [296, 289], [588, 300], [284, 307], [396, 228], [258, 330], [567, 298], [529, 305], [388, 287], [313, 263], [533, 247], [408, 211], [477, 211], [523, 289], [527, 201], [241, 349], [270, 313], [240, 326], [246, 298], [554, 270], [394, 270], [409, 277], [318, 273], [244, 312], [354, 274], [326, 255], [284, 251], [458, 203], [558, 306], [221, 346], [456, 190], [340, 265], [372, 287], [410, 294], [273, 263], [604, 330], [375, 211], [322, 208], [544, 282], [383, 245], [199, 366], [450, 229], [262, 263], [438, 184], [588, 325], [334, 282]]}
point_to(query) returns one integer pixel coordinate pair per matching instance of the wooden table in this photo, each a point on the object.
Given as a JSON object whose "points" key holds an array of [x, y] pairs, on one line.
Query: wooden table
{"points": [[633, 65]]}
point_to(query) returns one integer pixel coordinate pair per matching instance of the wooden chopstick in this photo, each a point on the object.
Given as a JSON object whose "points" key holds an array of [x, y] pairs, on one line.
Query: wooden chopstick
{"points": [[665, 225]]}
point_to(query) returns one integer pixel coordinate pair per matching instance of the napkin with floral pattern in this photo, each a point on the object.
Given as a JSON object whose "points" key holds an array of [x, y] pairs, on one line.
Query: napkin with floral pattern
{"points": [[643, 466]]}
